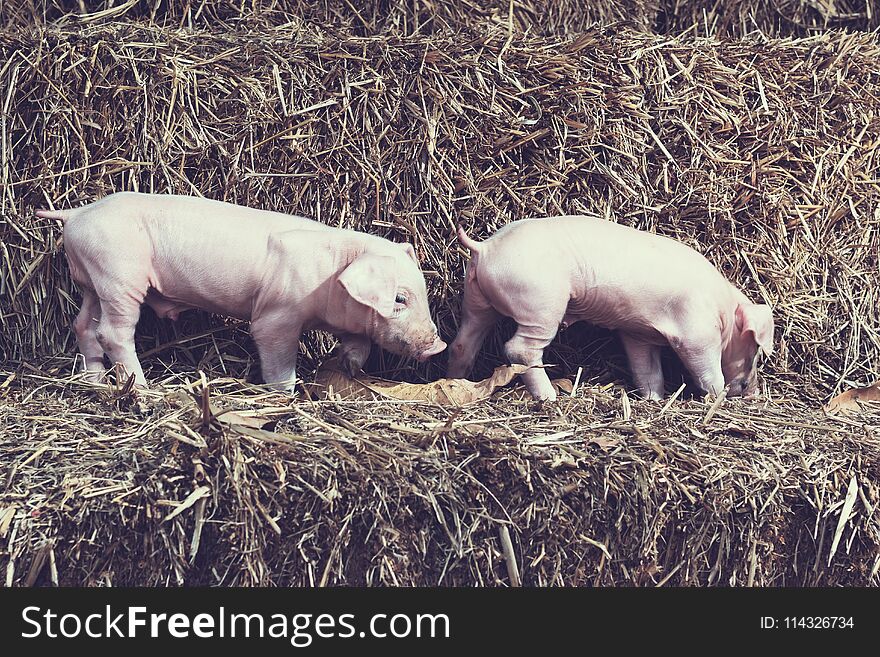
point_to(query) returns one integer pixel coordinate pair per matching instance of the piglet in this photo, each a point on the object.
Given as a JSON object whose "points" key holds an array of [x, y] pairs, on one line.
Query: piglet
{"points": [[285, 274], [547, 273]]}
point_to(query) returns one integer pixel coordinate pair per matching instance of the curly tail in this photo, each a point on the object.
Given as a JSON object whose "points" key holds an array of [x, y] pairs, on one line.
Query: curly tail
{"points": [[472, 245], [63, 215]]}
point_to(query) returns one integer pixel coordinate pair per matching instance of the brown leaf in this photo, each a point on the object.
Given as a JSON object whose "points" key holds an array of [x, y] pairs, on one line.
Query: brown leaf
{"points": [[446, 392], [852, 400], [230, 418], [747, 432], [603, 441], [563, 385]]}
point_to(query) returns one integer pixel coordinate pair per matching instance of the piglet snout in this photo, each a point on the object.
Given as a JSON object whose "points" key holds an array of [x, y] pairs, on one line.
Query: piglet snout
{"points": [[741, 388], [436, 347]]}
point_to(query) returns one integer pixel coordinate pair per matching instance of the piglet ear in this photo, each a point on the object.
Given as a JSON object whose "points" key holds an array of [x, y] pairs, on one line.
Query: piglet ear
{"points": [[757, 319], [372, 281], [410, 251]]}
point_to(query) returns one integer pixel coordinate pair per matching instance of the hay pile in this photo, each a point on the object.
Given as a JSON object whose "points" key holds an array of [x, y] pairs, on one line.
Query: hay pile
{"points": [[361, 17], [771, 17], [761, 154], [410, 17], [596, 490]]}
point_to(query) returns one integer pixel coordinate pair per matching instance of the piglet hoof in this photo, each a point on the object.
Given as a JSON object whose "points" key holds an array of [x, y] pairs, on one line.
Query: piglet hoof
{"points": [[548, 397], [91, 377], [350, 364], [288, 390], [127, 394], [291, 394]]}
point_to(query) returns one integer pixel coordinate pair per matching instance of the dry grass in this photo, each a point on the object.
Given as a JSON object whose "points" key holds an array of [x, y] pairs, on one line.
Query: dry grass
{"points": [[770, 17], [413, 17], [762, 154], [595, 490]]}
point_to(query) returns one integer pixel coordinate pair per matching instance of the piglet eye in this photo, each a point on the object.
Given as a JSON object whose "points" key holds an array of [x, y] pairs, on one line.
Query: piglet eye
{"points": [[400, 299]]}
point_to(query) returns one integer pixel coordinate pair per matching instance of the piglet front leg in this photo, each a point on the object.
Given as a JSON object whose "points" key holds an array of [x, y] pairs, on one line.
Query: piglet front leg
{"points": [[644, 363], [353, 353], [277, 338], [701, 355]]}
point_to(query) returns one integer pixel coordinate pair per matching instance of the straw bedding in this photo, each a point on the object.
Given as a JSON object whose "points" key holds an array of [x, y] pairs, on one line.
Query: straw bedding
{"points": [[762, 154], [596, 490]]}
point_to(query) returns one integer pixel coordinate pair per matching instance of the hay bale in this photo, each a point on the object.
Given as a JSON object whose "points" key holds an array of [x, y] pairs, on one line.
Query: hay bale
{"points": [[361, 17], [549, 17], [780, 18], [105, 490], [760, 154]]}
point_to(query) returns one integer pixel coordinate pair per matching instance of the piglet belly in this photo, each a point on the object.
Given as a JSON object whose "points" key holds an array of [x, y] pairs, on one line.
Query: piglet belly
{"points": [[165, 307], [222, 285], [615, 315]]}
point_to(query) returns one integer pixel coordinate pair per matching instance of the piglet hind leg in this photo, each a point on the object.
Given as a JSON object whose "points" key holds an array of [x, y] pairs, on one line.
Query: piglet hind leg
{"points": [[537, 314], [477, 319], [645, 366], [115, 334], [526, 347], [85, 327], [277, 340]]}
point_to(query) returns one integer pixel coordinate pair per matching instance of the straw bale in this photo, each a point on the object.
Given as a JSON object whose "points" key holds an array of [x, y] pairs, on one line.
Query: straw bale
{"points": [[779, 18], [761, 154], [362, 17], [597, 490]]}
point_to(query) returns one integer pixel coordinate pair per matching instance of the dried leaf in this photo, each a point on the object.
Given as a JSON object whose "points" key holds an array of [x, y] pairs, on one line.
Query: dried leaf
{"points": [[848, 504], [563, 385], [736, 429], [604, 442], [6, 516], [192, 498], [853, 400], [230, 418], [446, 392]]}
